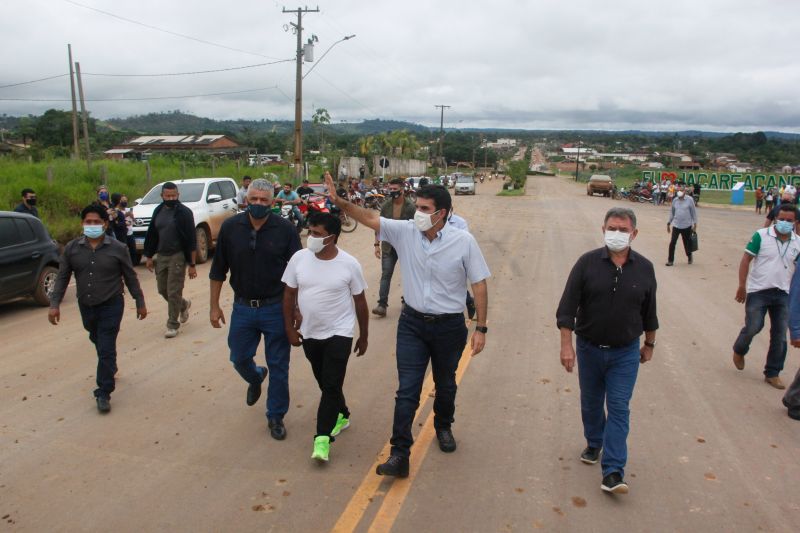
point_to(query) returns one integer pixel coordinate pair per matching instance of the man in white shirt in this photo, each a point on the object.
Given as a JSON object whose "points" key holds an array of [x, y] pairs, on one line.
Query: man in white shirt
{"points": [[437, 262], [327, 285], [765, 274]]}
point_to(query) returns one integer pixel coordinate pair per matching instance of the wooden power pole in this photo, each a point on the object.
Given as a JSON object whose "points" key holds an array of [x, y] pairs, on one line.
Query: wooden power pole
{"points": [[84, 117], [76, 152], [441, 131], [298, 96]]}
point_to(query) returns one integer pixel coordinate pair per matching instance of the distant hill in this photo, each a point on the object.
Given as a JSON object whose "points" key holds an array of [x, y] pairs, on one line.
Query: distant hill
{"points": [[177, 122]]}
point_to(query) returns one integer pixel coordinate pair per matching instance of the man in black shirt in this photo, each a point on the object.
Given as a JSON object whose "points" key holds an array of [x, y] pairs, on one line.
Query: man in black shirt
{"points": [[171, 238], [28, 204], [609, 300], [304, 189], [100, 263], [255, 246]]}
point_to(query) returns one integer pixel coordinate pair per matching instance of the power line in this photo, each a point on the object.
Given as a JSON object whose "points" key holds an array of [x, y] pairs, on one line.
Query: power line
{"points": [[33, 81], [176, 34], [138, 99], [227, 69]]}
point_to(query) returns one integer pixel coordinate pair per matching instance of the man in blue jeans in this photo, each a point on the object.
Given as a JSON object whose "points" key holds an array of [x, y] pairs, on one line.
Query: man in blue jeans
{"points": [[255, 246], [437, 261], [765, 274], [609, 300]]}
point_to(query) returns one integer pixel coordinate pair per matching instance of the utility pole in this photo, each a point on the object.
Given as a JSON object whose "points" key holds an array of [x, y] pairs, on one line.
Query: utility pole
{"points": [[76, 154], [298, 97], [84, 117], [441, 130], [578, 160]]}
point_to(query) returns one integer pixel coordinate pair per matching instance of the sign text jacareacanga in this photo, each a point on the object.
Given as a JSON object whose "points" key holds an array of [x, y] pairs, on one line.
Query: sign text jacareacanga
{"points": [[722, 180]]}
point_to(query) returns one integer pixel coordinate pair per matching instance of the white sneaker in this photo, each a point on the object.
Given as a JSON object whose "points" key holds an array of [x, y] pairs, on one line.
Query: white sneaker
{"points": [[171, 333], [185, 313]]}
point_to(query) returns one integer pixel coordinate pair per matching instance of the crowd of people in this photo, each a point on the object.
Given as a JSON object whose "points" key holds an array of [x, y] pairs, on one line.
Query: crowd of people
{"points": [[278, 288]]}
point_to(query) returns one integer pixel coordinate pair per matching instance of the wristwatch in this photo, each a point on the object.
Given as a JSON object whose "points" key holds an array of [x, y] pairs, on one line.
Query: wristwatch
{"points": [[482, 329], [650, 344]]}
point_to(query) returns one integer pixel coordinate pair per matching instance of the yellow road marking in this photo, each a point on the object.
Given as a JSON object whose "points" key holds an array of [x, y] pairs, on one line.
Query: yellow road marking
{"points": [[398, 491]]}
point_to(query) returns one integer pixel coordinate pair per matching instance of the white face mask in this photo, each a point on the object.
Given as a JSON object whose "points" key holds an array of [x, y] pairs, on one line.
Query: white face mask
{"points": [[316, 244], [424, 221], [680, 194], [617, 241]]}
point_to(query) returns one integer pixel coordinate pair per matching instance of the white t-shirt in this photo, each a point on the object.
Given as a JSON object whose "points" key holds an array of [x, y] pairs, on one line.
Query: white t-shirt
{"points": [[325, 292], [774, 261]]}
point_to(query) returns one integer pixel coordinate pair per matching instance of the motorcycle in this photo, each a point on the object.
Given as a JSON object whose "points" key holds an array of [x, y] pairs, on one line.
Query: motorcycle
{"points": [[286, 212], [321, 204], [373, 199], [481, 178]]}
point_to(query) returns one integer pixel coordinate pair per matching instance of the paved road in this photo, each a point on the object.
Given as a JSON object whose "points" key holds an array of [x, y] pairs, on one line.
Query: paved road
{"points": [[711, 448]]}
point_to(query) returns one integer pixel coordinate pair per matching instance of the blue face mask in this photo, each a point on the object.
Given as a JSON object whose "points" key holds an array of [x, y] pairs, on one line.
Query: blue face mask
{"points": [[103, 196], [258, 211], [93, 231], [784, 227]]}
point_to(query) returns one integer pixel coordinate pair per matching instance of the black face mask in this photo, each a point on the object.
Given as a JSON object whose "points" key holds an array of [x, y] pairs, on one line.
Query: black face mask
{"points": [[170, 203], [395, 194], [31, 201], [123, 204]]}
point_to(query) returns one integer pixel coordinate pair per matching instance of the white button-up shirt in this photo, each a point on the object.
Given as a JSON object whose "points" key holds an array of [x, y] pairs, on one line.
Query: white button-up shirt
{"points": [[435, 273]]}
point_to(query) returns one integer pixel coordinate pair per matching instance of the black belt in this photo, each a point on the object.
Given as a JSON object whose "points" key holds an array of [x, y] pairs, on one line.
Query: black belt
{"points": [[258, 302], [607, 346], [429, 317]]}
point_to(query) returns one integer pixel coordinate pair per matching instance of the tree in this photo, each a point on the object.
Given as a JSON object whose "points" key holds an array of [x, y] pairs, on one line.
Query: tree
{"points": [[320, 119], [54, 128]]}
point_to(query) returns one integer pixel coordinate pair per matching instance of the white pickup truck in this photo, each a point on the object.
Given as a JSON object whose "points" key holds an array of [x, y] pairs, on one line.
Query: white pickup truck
{"points": [[212, 201]]}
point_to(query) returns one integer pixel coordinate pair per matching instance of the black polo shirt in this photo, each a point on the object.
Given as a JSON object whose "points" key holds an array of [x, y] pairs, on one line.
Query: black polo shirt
{"points": [[256, 260], [608, 305]]}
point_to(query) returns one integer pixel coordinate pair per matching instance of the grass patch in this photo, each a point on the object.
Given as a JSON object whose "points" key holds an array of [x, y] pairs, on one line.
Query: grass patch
{"points": [[512, 192], [73, 186]]}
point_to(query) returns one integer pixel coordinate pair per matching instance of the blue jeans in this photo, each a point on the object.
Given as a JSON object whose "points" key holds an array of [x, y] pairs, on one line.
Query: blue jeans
{"points": [[388, 262], [248, 324], [102, 322], [756, 306], [607, 377], [418, 342], [298, 215]]}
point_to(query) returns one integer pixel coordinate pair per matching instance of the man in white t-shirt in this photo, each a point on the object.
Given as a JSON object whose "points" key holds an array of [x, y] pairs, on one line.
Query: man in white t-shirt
{"points": [[327, 285]]}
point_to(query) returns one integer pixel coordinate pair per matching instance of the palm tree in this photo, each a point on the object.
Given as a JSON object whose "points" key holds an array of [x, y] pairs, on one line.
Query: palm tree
{"points": [[320, 118]]}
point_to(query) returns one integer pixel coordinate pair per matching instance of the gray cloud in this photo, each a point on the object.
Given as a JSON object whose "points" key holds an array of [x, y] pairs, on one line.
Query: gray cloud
{"points": [[722, 65]]}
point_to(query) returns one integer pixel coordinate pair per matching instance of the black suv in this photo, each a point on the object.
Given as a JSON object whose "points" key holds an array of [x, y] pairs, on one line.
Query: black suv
{"points": [[28, 258]]}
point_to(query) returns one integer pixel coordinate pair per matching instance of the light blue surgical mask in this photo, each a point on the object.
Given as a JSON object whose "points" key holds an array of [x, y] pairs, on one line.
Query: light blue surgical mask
{"points": [[93, 231], [784, 226]]}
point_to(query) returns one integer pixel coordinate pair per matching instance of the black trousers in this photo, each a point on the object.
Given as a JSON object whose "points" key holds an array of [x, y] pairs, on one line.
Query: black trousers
{"points": [[328, 358], [102, 322], [686, 234]]}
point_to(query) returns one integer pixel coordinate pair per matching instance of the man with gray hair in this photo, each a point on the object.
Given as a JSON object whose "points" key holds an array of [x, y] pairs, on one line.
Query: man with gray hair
{"points": [[255, 246], [683, 219], [609, 301]]}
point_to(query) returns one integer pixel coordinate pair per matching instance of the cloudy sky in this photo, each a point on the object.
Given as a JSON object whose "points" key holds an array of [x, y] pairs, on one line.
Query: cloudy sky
{"points": [[723, 65]]}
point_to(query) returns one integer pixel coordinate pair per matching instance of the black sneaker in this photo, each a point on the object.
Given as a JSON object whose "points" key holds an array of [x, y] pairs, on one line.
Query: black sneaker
{"points": [[614, 484], [669, 263], [276, 428], [590, 455], [254, 389], [447, 443], [394, 466], [103, 404]]}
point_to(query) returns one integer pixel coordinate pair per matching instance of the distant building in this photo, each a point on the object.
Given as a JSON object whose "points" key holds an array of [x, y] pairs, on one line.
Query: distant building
{"points": [[150, 144]]}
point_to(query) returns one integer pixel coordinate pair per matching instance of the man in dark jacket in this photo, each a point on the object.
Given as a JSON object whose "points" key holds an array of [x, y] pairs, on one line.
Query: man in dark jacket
{"points": [[28, 204], [397, 207], [171, 239]]}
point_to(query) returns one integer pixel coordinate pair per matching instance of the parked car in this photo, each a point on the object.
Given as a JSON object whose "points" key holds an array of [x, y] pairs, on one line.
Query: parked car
{"points": [[600, 184], [465, 184], [28, 258], [212, 201]]}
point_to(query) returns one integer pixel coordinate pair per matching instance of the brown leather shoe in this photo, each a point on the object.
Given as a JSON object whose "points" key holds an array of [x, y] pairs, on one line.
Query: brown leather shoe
{"points": [[379, 310], [775, 382], [738, 361]]}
